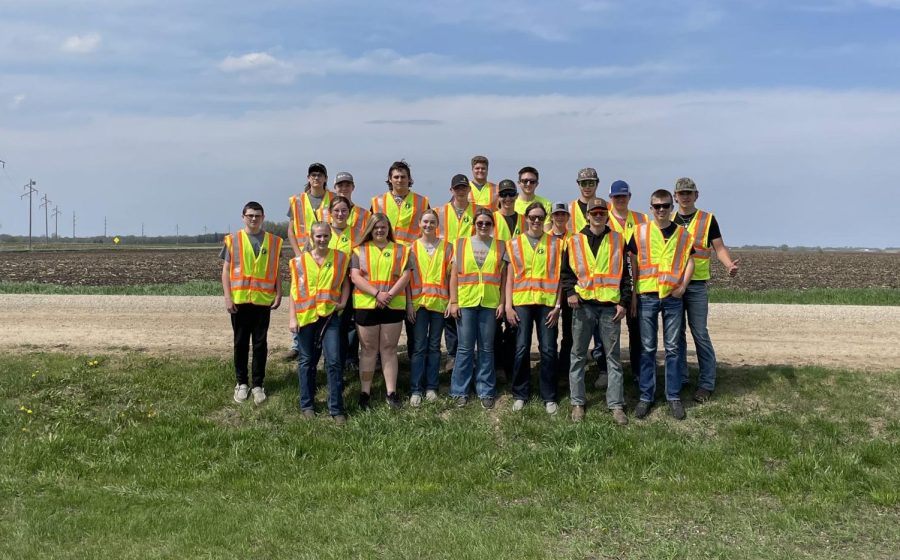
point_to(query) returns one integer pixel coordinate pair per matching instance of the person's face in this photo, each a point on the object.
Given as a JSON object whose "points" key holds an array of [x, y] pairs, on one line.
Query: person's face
{"points": [[379, 232], [588, 189], [345, 189], [316, 180], [535, 220], [598, 216], [528, 182], [400, 181], [686, 198], [484, 226], [508, 200], [339, 215], [321, 236], [620, 202], [660, 208], [479, 172], [253, 219], [428, 224], [560, 219], [461, 193]]}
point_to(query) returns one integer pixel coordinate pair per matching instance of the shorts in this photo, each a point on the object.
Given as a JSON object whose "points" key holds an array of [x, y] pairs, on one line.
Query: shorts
{"points": [[375, 317]]}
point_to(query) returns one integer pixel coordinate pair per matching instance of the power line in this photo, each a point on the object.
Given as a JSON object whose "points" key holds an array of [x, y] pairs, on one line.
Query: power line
{"points": [[55, 215], [30, 190]]}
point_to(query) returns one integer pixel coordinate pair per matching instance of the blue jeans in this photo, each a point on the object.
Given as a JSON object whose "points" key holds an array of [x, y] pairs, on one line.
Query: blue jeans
{"points": [[650, 308], [475, 325], [696, 309], [529, 317], [586, 320], [426, 356], [324, 334]]}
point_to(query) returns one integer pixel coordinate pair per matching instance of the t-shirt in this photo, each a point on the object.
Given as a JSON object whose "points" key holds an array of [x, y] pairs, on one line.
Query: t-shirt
{"points": [[511, 221], [314, 201], [480, 250], [714, 232], [256, 242], [533, 240]]}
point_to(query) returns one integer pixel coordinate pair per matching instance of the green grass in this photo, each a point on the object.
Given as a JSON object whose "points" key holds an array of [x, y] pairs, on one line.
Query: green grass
{"points": [[141, 457], [193, 288]]}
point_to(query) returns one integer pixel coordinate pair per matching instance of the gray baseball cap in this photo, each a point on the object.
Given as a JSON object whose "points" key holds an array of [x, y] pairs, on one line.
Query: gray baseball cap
{"points": [[559, 206], [343, 177]]}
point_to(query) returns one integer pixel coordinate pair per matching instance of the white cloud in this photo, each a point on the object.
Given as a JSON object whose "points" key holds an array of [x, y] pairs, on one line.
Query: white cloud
{"points": [[16, 101], [82, 44], [259, 65]]}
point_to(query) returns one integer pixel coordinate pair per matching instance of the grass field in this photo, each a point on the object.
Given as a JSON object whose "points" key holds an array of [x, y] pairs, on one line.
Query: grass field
{"points": [[136, 457]]}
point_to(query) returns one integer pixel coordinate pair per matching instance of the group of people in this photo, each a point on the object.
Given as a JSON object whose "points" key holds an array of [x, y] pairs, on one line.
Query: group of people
{"points": [[484, 271]]}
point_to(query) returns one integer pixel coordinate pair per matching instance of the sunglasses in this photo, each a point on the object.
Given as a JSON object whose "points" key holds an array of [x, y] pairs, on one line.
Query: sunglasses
{"points": [[253, 216], [484, 224], [534, 218], [599, 213], [528, 181], [507, 195], [662, 206]]}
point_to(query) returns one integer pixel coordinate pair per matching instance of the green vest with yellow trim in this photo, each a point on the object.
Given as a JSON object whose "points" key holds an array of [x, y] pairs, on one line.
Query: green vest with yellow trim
{"points": [[477, 286], [382, 268], [253, 277], [599, 276], [661, 262], [315, 288]]}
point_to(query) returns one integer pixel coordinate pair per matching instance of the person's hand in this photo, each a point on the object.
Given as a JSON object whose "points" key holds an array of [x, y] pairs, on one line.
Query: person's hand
{"points": [[573, 301], [454, 310], [499, 313], [229, 305], [679, 291], [511, 316], [552, 317], [620, 314], [383, 299], [277, 303], [733, 269], [410, 314], [292, 325]]}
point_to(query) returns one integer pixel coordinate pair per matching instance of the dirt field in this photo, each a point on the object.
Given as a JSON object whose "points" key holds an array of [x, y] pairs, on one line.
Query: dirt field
{"points": [[854, 337]]}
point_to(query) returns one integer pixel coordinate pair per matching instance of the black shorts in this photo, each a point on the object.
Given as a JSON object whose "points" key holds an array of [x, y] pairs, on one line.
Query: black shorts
{"points": [[375, 317]]}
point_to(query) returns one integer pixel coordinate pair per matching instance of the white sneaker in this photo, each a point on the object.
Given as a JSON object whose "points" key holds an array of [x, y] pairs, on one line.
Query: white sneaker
{"points": [[551, 407], [415, 401], [431, 395], [518, 404], [259, 395], [240, 393]]}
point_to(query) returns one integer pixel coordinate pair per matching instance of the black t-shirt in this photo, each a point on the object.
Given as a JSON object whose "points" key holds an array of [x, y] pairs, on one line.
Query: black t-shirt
{"points": [[714, 232], [511, 222]]}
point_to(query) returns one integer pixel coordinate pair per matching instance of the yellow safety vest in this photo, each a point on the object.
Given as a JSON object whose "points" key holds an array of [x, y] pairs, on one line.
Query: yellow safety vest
{"points": [[522, 205], [382, 268], [699, 230], [303, 216], [429, 283], [485, 197], [478, 286], [577, 219], [253, 277], [452, 228], [600, 275], [535, 270], [632, 220], [501, 228], [358, 220], [404, 217], [345, 241], [661, 262], [316, 289]]}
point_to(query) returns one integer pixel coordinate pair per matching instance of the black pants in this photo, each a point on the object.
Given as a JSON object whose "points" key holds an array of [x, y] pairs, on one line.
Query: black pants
{"points": [[250, 322], [634, 341]]}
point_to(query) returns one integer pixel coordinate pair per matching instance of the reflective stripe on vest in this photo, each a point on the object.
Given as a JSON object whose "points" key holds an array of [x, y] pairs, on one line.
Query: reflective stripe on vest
{"points": [[344, 241], [600, 275], [501, 228], [632, 220], [535, 270], [699, 229], [303, 215], [477, 286], [577, 219], [405, 217], [485, 197], [253, 277], [382, 268], [452, 228], [316, 289], [429, 284], [357, 221], [661, 262]]}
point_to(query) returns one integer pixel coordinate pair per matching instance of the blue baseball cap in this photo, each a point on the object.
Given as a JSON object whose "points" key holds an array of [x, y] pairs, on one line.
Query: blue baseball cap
{"points": [[619, 188]]}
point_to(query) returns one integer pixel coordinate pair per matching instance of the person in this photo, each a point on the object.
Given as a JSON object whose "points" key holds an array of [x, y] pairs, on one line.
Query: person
{"points": [[358, 217], [483, 193], [661, 254], [305, 208], [427, 304], [597, 286], [400, 204], [477, 301], [251, 283], [528, 183], [532, 299], [704, 228], [559, 228], [379, 270], [319, 293], [344, 237], [587, 181], [507, 224], [623, 220]]}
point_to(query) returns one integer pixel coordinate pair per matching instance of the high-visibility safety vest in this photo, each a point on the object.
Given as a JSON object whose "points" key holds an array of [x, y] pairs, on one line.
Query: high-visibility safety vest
{"points": [[429, 284], [315, 288], [358, 220], [535, 270], [478, 286], [501, 228], [699, 229], [344, 241], [382, 268], [303, 216], [661, 262], [485, 196], [600, 275], [522, 205], [253, 277], [452, 227], [577, 219], [632, 220], [404, 217]]}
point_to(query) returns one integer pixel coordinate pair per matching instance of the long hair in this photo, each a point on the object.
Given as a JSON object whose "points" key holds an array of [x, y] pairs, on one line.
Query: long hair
{"points": [[373, 221]]}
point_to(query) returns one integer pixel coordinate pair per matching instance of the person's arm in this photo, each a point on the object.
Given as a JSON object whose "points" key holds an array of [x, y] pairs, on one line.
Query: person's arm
{"points": [[724, 256], [400, 285], [226, 288], [410, 308], [292, 239], [625, 293], [345, 294], [553, 316], [511, 316], [292, 321], [453, 308], [501, 308], [364, 286], [634, 284], [567, 281], [685, 278], [277, 291]]}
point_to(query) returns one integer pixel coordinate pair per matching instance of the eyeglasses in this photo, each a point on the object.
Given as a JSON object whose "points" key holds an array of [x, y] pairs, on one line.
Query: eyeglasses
{"points": [[507, 195], [662, 206], [528, 181], [316, 175], [535, 218], [340, 211], [253, 216], [484, 224]]}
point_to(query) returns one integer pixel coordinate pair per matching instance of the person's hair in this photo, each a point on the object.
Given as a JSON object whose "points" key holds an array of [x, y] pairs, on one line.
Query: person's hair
{"points": [[534, 205], [432, 212], [479, 159], [306, 187], [662, 194], [252, 205], [399, 165], [339, 199], [529, 169], [482, 211], [320, 224], [375, 219]]}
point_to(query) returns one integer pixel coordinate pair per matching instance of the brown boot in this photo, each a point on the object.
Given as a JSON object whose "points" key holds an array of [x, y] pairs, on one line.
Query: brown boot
{"points": [[577, 413], [619, 417]]}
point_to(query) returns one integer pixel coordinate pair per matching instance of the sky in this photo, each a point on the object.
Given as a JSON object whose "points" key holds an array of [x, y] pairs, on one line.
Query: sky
{"points": [[168, 115]]}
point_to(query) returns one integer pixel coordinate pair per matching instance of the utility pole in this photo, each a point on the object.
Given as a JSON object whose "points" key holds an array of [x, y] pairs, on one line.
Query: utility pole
{"points": [[176, 234], [104, 227], [29, 192], [73, 225], [55, 215], [46, 206], [142, 229]]}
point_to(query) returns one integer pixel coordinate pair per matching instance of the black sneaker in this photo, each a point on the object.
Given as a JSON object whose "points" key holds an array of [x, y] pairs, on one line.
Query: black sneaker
{"points": [[487, 403], [642, 409], [460, 402], [393, 400], [364, 401], [677, 410], [702, 395]]}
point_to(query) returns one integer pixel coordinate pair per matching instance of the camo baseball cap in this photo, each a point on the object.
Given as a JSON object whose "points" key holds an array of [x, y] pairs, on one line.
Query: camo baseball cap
{"points": [[507, 185], [587, 174], [685, 184]]}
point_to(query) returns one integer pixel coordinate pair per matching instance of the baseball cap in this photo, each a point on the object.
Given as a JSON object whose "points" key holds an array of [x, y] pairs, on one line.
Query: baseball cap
{"points": [[587, 174], [317, 168], [559, 207], [596, 203], [459, 180], [343, 177], [685, 184], [619, 188], [507, 185]]}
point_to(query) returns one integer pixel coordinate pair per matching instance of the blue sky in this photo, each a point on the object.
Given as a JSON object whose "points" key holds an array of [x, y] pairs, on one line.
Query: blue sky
{"points": [[176, 113]]}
